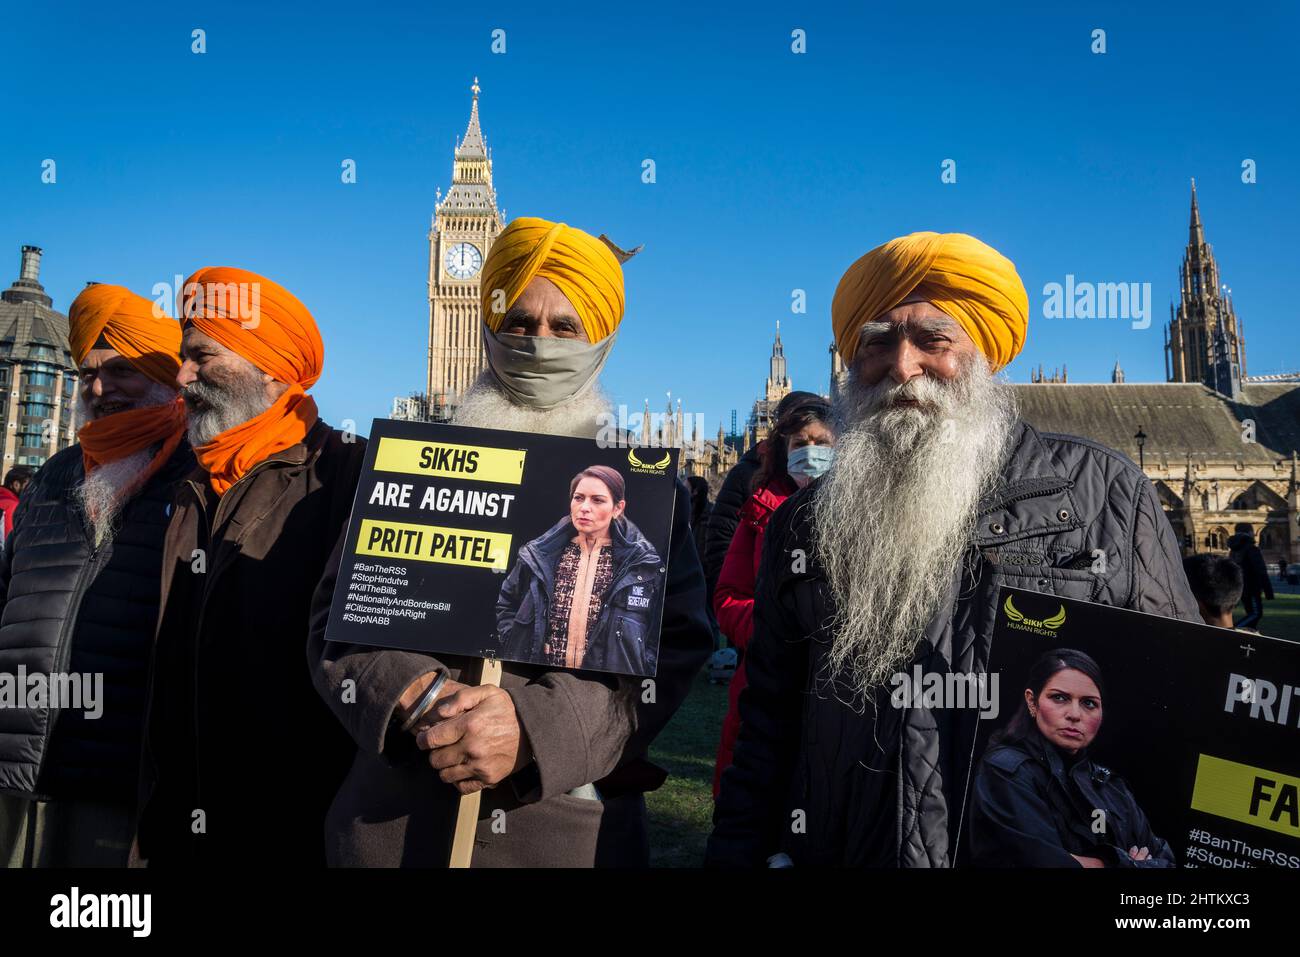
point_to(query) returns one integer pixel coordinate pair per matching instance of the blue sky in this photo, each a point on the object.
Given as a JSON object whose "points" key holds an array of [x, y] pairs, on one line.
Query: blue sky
{"points": [[774, 170]]}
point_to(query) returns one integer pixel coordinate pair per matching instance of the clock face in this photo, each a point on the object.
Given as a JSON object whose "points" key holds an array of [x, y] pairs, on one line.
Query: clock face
{"points": [[464, 260]]}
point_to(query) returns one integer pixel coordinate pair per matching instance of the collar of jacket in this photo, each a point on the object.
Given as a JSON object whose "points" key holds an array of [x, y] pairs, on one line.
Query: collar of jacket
{"points": [[542, 555], [1083, 769], [295, 455], [768, 499], [623, 535]]}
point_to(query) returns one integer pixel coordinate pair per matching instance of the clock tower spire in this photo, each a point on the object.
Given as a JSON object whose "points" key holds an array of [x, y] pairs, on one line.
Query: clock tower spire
{"points": [[466, 221]]}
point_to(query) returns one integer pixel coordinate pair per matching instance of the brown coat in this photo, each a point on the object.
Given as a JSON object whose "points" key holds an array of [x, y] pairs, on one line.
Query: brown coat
{"points": [[235, 728], [392, 810]]}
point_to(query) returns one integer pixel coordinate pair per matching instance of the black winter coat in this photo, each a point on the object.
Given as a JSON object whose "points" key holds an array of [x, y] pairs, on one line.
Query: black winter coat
{"points": [[69, 606], [235, 728], [619, 640], [1058, 500], [1254, 572], [725, 515], [1032, 806]]}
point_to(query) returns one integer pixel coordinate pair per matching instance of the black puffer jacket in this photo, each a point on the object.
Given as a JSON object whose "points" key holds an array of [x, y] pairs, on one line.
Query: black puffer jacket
{"points": [[67, 606], [1031, 806], [801, 749], [725, 515]]}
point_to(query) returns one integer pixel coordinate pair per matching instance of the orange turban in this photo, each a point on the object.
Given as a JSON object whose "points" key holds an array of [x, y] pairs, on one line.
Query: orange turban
{"points": [[968, 280], [151, 341], [581, 265], [266, 324], [132, 325]]}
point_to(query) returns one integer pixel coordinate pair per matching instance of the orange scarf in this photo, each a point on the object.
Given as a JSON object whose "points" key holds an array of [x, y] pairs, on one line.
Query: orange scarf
{"points": [[232, 453], [117, 436]]}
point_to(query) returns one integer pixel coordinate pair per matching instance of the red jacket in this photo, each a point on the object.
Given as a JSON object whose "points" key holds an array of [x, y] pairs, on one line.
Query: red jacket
{"points": [[733, 600], [8, 503]]}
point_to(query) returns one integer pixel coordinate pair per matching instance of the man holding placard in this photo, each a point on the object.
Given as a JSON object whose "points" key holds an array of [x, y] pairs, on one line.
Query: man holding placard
{"points": [[561, 749]]}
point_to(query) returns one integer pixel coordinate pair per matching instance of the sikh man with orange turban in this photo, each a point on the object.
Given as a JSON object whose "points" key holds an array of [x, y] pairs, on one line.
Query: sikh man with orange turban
{"points": [[561, 753], [242, 757], [887, 569], [79, 581]]}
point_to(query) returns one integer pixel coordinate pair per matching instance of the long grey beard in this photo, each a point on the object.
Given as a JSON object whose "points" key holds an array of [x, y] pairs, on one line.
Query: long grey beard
{"points": [[895, 512], [227, 406], [101, 496], [486, 406]]}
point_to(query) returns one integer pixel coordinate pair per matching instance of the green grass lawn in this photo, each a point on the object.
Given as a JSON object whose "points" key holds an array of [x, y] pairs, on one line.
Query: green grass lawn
{"points": [[681, 812]]}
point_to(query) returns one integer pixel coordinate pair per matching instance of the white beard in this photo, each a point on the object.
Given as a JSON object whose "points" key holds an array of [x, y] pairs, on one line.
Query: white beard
{"points": [[895, 512], [486, 406], [100, 495], [240, 400]]}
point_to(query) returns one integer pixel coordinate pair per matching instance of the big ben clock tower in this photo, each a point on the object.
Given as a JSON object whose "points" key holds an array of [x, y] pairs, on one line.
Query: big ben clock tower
{"points": [[465, 224]]}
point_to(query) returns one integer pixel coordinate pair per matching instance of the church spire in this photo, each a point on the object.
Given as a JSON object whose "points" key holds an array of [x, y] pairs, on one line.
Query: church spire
{"points": [[1204, 341], [778, 382], [1196, 233]]}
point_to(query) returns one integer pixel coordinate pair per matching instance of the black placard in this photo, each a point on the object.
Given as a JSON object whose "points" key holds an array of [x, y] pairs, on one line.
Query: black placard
{"points": [[463, 541]]}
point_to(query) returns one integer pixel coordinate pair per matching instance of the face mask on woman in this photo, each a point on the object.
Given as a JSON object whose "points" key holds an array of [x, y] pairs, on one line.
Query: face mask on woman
{"points": [[809, 462]]}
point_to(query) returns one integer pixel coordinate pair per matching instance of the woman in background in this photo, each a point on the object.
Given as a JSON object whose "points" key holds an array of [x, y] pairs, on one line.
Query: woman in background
{"points": [[798, 450]]}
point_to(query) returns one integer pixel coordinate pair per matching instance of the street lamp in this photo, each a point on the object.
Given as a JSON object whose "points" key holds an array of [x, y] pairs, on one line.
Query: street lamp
{"points": [[1141, 441]]}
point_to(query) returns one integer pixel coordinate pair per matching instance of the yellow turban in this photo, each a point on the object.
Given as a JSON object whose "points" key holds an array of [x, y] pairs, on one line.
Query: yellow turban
{"points": [[581, 266], [967, 279]]}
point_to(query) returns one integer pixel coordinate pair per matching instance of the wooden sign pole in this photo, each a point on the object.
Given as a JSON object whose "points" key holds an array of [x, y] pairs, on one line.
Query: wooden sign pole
{"points": [[462, 843]]}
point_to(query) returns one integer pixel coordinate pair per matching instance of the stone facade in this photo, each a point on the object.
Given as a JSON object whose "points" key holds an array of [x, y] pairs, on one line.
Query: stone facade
{"points": [[1204, 341], [1218, 465], [763, 414], [38, 379]]}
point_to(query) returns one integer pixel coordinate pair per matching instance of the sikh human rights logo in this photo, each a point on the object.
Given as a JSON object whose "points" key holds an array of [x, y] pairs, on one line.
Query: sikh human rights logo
{"points": [[1021, 622], [649, 468]]}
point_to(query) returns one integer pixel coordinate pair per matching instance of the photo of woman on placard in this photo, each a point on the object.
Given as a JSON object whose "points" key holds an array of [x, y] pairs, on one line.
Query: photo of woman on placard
{"points": [[582, 594], [1039, 800]]}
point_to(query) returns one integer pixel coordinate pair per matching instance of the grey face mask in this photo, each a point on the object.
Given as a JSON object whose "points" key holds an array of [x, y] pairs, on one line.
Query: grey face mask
{"points": [[542, 372]]}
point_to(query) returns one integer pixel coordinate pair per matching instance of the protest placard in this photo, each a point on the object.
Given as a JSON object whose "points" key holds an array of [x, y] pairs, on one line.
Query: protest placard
{"points": [[541, 549], [1199, 725]]}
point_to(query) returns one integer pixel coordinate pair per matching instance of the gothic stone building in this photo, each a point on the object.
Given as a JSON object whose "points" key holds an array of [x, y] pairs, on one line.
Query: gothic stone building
{"points": [[1219, 446]]}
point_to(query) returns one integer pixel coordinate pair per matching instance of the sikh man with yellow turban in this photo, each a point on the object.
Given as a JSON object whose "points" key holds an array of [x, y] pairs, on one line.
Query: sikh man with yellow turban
{"points": [[79, 582], [888, 568], [242, 757], [561, 753]]}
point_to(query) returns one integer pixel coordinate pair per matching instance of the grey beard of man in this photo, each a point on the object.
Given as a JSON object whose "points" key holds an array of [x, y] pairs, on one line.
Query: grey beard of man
{"points": [[485, 405], [241, 399], [99, 496], [896, 510]]}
